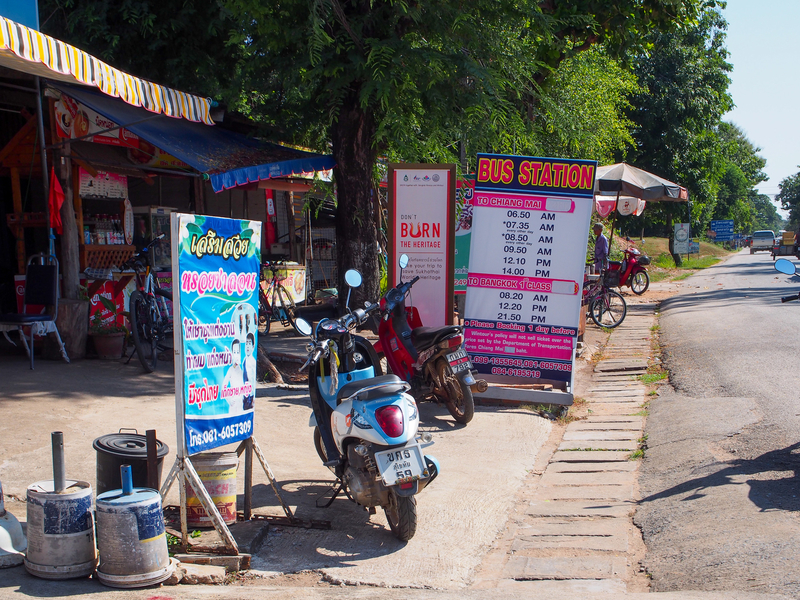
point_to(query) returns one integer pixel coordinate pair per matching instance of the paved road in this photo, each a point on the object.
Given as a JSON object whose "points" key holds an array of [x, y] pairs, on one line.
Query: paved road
{"points": [[719, 483]]}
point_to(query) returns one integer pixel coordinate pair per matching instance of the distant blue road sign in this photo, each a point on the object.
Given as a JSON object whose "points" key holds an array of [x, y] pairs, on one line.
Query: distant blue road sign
{"points": [[723, 230]]}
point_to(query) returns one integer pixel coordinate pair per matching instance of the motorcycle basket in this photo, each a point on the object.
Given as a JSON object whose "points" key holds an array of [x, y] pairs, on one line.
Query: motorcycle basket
{"points": [[611, 278], [643, 260]]}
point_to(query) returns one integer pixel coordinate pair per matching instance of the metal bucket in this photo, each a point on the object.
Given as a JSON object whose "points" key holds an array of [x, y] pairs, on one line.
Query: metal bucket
{"points": [[60, 531], [131, 539], [217, 471], [117, 449]]}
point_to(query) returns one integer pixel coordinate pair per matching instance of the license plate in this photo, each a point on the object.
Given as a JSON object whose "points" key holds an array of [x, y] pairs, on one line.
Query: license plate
{"points": [[400, 465], [459, 361]]}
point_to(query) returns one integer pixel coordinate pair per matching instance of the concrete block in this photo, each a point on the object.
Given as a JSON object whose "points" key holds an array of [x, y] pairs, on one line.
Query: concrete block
{"points": [[602, 435], [585, 492], [598, 445], [581, 508], [203, 574], [564, 568], [591, 478], [590, 456]]}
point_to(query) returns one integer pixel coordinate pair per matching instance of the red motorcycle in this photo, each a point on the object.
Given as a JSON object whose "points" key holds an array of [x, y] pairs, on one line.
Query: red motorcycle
{"points": [[432, 359], [632, 269]]}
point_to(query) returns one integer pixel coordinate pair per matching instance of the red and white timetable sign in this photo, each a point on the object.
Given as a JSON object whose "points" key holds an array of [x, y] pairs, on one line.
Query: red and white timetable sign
{"points": [[421, 212], [527, 261]]}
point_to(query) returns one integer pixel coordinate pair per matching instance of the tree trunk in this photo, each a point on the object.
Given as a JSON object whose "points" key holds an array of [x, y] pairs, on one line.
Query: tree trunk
{"points": [[70, 260], [671, 233], [264, 366], [353, 137]]}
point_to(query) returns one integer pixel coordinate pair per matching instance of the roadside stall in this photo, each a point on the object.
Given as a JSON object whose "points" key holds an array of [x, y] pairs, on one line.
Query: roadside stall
{"points": [[125, 153]]}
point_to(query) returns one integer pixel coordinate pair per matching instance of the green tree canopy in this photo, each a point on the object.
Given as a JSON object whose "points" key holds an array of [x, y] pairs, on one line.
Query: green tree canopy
{"points": [[789, 197], [685, 77]]}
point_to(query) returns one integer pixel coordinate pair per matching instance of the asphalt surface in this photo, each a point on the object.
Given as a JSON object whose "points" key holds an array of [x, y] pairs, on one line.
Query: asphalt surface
{"points": [[719, 483]]}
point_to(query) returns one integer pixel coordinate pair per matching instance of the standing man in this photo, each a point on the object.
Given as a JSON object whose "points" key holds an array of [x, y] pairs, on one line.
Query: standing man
{"points": [[600, 248]]}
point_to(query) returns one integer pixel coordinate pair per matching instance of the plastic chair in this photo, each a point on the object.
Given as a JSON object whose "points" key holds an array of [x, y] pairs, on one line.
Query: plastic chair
{"points": [[41, 289]]}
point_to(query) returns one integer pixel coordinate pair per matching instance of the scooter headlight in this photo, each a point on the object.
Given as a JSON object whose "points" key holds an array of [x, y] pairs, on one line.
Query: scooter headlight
{"points": [[426, 438]]}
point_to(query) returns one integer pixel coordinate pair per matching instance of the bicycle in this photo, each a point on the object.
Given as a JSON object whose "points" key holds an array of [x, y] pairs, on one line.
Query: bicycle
{"points": [[151, 328], [276, 303], [606, 307]]}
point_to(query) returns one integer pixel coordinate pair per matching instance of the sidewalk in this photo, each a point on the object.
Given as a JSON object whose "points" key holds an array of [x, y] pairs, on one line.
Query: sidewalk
{"points": [[573, 529]]}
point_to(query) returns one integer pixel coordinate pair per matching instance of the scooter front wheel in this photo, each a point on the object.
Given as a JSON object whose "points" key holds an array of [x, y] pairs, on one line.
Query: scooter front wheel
{"points": [[401, 513], [640, 282]]}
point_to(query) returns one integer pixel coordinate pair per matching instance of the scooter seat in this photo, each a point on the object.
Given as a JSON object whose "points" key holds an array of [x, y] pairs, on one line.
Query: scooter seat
{"points": [[374, 388], [425, 337]]}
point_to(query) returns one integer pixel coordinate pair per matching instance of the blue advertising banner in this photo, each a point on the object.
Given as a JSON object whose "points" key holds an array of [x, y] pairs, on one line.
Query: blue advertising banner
{"points": [[218, 271]]}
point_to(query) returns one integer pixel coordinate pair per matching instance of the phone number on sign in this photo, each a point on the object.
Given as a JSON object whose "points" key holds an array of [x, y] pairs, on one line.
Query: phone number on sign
{"points": [[210, 436], [520, 362]]}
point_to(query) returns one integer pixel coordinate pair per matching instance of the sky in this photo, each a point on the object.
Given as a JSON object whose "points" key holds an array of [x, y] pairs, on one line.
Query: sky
{"points": [[765, 83]]}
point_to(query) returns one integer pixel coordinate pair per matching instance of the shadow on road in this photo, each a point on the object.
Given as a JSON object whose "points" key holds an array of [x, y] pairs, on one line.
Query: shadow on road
{"points": [[768, 489], [688, 301]]}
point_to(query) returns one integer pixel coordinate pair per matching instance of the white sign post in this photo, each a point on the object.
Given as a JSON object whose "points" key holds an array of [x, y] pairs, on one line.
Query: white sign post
{"points": [[421, 212], [681, 238], [526, 269]]}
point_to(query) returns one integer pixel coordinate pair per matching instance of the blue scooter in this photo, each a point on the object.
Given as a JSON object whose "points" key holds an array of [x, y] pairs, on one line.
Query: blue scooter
{"points": [[365, 424]]}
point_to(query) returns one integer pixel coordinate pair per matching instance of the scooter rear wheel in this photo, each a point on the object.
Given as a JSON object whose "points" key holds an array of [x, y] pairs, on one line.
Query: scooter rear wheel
{"points": [[640, 282], [401, 513], [456, 394]]}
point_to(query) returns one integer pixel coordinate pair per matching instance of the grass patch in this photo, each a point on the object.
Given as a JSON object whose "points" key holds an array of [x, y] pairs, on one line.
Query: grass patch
{"points": [[655, 328], [652, 393], [652, 378], [636, 454]]}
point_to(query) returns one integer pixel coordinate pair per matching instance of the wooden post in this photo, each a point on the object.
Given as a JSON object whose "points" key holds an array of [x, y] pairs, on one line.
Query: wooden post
{"points": [[19, 231], [248, 479], [289, 199], [70, 251], [199, 196]]}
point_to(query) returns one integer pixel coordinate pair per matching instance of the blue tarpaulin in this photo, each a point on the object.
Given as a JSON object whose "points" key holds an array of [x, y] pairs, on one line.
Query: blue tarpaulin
{"points": [[230, 159]]}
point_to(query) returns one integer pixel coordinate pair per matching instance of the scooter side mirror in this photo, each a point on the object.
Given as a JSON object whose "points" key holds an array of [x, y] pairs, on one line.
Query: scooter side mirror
{"points": [[403, 262], [784, 266], [303, 326], [353, 278]]}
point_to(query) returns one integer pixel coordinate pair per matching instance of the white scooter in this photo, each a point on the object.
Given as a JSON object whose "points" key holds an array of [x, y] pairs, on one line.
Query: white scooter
{"points": [[365, 427]]}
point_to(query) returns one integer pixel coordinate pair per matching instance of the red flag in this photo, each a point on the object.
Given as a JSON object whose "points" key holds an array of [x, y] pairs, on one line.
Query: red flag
{"points": [[56, 199]]}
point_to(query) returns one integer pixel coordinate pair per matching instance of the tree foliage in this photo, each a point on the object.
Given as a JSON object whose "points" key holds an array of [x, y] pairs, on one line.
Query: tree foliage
{"points": [[178, 43], [789, 197], [685, 77], [406, 78]]}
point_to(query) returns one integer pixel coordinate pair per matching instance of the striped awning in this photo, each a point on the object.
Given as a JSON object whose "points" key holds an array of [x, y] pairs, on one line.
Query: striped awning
{"points": [[27, 50]]}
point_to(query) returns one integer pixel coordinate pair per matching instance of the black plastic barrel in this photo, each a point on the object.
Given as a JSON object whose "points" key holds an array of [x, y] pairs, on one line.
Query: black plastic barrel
{"points": [[117, 449]]}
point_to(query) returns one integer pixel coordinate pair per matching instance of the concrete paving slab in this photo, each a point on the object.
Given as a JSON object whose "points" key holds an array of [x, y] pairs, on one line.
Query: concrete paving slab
{"points": [[589, 478], [618, 408], [612, 419], [601, 435], [593, 467], [585, 567], [568, 588], [611, 509], [588, 456], [606, 397], [523, 544], [608, 425], [586, 492], [598, 445], [600, 534]]}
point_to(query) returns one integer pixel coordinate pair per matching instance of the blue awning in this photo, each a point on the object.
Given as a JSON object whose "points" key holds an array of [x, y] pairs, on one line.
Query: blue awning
{"points": [[230, 159]]}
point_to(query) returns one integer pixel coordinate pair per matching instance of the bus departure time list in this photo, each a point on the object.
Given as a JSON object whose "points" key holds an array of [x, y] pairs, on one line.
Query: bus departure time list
{"points": [[524, 284]]}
